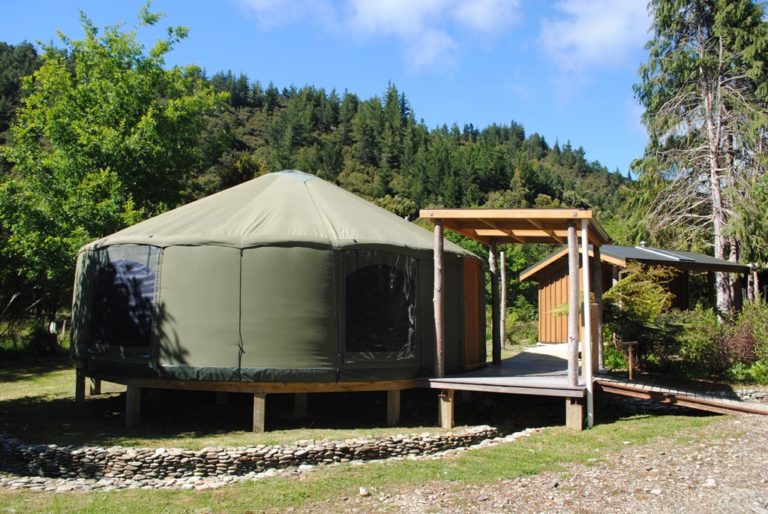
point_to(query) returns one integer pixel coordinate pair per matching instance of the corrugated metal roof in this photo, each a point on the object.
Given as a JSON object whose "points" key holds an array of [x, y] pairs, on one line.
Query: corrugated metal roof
{"points": [[647, 255], [680, 258]]}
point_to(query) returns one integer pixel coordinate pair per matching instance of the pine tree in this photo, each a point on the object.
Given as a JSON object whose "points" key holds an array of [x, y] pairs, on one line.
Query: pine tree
{"points": [[701, 89]]}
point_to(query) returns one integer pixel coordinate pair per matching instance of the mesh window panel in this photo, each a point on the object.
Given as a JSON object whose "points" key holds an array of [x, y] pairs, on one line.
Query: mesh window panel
{"points": [[380, 312], [124, 295]]}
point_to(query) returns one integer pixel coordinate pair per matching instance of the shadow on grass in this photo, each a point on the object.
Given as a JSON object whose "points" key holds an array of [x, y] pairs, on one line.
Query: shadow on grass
{"points": [[100, 421], [31, 370]]}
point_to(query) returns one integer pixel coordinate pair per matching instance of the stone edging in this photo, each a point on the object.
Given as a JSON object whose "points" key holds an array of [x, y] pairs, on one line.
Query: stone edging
{"points": [[137, 464]]}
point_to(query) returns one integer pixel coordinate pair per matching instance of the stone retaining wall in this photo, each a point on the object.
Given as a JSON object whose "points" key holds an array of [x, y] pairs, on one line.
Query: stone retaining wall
{"points": [[50, 460]]}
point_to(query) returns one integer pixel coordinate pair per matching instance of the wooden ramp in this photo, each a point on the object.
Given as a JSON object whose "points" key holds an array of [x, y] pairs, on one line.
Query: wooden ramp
{"points": [[721, 402]]}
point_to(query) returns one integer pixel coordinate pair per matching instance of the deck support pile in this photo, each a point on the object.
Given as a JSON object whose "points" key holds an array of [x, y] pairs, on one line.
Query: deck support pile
{"points": [[132, 406], [299, 405], [259, 411], [574, 408]]}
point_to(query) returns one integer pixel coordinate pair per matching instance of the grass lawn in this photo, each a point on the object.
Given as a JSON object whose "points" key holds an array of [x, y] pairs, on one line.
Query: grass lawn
{"points": [[36, 404]]}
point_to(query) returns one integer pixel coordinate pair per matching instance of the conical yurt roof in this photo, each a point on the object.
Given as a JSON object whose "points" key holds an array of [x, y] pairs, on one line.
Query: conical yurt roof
{"points": [[278, 208]]}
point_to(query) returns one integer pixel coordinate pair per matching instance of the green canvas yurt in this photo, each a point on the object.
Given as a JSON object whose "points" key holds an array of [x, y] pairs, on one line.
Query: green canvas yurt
{"points": [[285, 278]]}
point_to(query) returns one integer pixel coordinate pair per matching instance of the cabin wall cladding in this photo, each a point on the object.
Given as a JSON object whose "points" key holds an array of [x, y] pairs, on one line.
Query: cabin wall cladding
{"points": [[50, 460]]}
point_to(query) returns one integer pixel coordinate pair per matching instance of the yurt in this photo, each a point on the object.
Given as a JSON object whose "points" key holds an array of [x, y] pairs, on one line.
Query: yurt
{"points": [[285, 278]]}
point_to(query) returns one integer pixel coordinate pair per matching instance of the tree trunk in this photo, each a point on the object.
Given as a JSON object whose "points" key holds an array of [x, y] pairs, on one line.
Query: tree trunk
{"points": [[710, 93]]}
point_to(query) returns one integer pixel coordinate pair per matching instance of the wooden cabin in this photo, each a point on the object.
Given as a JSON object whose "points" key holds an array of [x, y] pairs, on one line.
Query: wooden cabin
{"points": [[551, 274]]}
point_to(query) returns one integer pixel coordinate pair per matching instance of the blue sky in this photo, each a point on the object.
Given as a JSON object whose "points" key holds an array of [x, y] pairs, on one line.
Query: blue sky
{"points": [[563, 68]]}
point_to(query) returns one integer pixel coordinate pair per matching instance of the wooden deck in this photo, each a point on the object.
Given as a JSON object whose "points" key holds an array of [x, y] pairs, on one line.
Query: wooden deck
{"points": [[722, 401], [538, 371]]}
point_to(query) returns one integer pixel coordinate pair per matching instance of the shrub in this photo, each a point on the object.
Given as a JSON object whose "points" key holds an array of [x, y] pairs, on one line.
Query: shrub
{"points": [[756, 372], [613, 357], [753, 319], [700, 340], [739, 342], [635, 309], [746, 344], [521, 326]]}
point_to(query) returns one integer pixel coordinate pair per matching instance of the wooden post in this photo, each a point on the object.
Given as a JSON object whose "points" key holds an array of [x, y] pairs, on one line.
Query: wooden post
{"points": [[574, 413], [132, 406], [573, 305], [259, 411], [299, 405], [503, 306], [597, 283], [437, 301], [595, 338], [445, 413], [495, 325], [95, 386], [586, 356], [755, 286], [79, 386], [393, 407]]}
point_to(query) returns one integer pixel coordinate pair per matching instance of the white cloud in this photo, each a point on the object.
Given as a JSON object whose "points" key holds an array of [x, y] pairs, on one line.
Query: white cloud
{"points": [[487, 15], [273, 13], [427, 30], [401, 17], [594, 33]]}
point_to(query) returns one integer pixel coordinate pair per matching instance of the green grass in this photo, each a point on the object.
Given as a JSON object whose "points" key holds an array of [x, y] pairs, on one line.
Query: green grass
{"points": [[552, 449]]}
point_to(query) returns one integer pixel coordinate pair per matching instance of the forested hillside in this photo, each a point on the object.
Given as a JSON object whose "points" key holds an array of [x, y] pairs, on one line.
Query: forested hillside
{"points": [[376, 148]]}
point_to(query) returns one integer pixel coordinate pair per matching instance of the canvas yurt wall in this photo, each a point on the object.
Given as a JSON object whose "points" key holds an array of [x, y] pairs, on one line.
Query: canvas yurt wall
{"points": [[283, 278]]}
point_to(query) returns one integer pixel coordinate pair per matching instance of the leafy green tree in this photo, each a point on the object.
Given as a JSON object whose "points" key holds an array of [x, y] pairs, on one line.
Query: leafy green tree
{"points": [[105, 136], [15, 62]]}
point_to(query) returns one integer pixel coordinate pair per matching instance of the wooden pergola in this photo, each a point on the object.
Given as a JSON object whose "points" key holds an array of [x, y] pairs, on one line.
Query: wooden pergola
{"points": [[494, 226]]}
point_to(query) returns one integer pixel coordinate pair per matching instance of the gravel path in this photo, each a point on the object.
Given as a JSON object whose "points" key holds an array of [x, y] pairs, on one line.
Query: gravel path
{"points": [[726, 472]]}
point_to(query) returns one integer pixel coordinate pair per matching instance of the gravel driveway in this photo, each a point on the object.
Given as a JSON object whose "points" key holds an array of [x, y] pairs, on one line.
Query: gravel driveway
{"points": [[726, 472]]}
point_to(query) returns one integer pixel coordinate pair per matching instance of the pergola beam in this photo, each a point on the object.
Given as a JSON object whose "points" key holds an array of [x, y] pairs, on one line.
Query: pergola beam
{"points": [[552, 233], [498, 232], [490, 214]]}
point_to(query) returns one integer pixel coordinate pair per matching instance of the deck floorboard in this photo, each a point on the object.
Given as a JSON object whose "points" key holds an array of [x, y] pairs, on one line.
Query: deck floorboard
{"points": [[541, 370]]}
